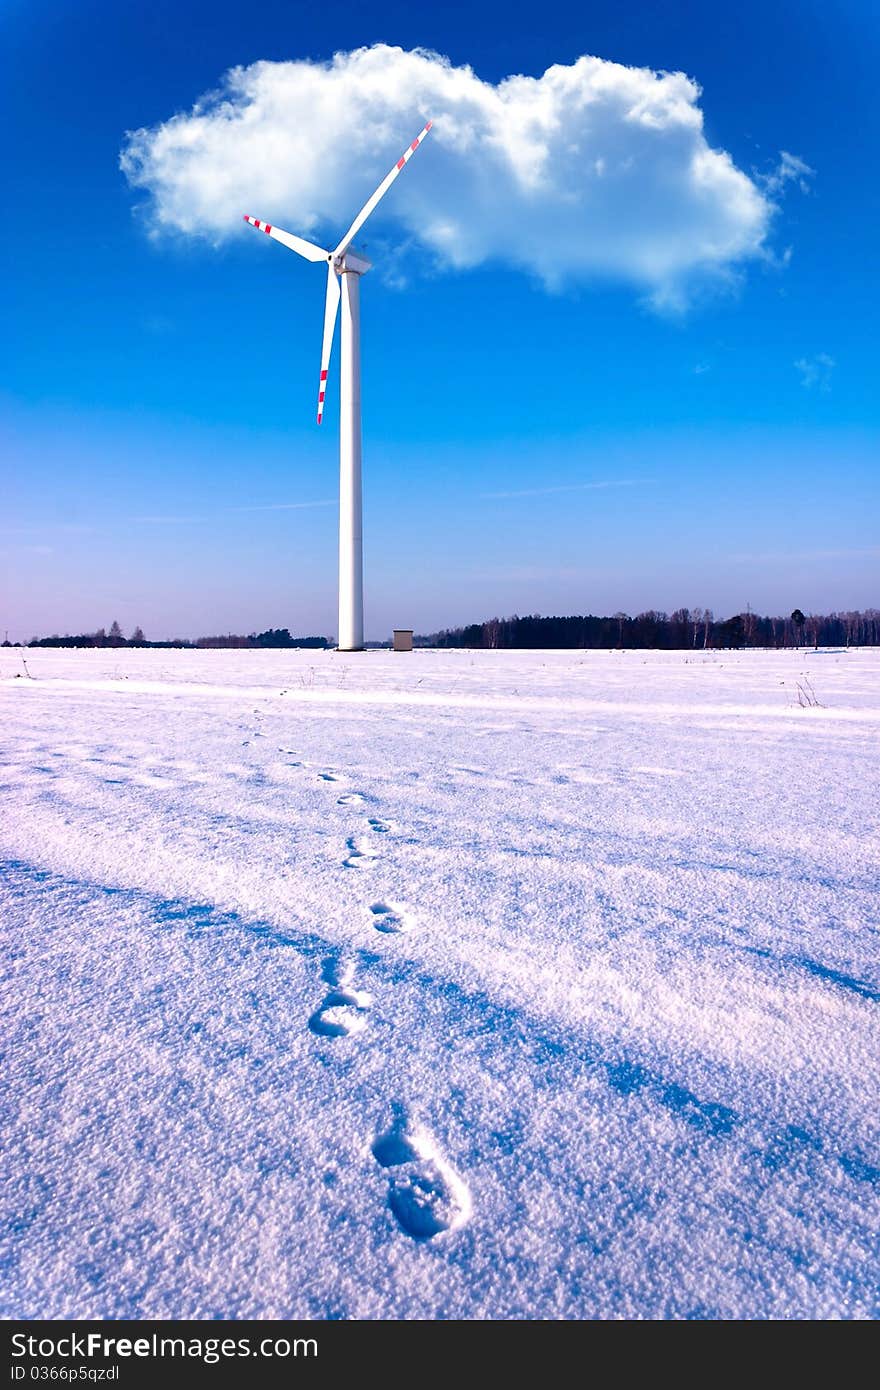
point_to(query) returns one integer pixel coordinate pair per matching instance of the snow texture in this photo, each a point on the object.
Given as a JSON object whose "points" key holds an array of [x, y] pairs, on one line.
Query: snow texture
{"points": [[444, 984]]}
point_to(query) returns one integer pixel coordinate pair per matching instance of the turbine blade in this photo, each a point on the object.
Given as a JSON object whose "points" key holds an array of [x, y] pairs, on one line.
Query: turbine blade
{"points": [[331, 306], [380, 193], [293, 243]]}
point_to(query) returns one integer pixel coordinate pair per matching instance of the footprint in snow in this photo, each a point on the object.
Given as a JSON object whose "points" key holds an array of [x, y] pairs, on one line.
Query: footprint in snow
{"points": [[390, 919], [360, 854], [381, 827], [327, 777], [351, 799], [344, 1010], [425, 1194]]}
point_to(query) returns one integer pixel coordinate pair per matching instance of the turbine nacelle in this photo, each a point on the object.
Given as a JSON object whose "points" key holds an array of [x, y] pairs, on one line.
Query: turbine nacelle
{"points": [[350, 263]]}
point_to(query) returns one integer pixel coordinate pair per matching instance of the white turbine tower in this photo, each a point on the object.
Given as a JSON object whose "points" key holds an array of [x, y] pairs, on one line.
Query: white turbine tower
{"points": [[344, 265]]}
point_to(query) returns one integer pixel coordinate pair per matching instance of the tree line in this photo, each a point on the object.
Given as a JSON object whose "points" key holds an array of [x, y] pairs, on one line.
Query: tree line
{"points": [[686, 627], [114, 637], [696, 628]]}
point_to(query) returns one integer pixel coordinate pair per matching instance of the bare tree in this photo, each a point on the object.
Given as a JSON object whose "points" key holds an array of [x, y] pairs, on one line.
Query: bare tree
{"points": [[749, 625]]}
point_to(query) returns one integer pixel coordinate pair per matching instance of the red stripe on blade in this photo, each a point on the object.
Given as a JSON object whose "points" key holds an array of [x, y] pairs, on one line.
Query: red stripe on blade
{"points": [[323, 376], [401, 162], [268, 228]]}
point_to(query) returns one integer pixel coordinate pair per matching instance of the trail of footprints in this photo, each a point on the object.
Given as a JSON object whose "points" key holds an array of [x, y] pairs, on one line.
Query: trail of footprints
{"points": [[425, 1194]]}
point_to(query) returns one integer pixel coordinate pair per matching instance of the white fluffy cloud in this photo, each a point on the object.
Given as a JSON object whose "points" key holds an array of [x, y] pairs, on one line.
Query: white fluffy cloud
{"points": [[593, 170]]}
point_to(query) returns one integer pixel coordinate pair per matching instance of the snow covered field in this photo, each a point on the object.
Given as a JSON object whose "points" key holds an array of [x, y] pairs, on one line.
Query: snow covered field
{"points": [[452, 984]]}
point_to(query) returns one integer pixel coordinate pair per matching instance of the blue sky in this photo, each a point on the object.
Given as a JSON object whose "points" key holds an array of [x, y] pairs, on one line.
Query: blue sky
{"points": [[157, 397]]}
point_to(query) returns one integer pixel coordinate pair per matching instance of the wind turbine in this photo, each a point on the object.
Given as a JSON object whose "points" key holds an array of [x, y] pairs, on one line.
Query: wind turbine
{"points": [[343, 265]]}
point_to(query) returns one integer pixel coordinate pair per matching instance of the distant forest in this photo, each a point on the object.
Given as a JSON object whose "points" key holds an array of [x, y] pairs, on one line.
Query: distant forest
{"points": [[686, 627], [694, 627]]}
